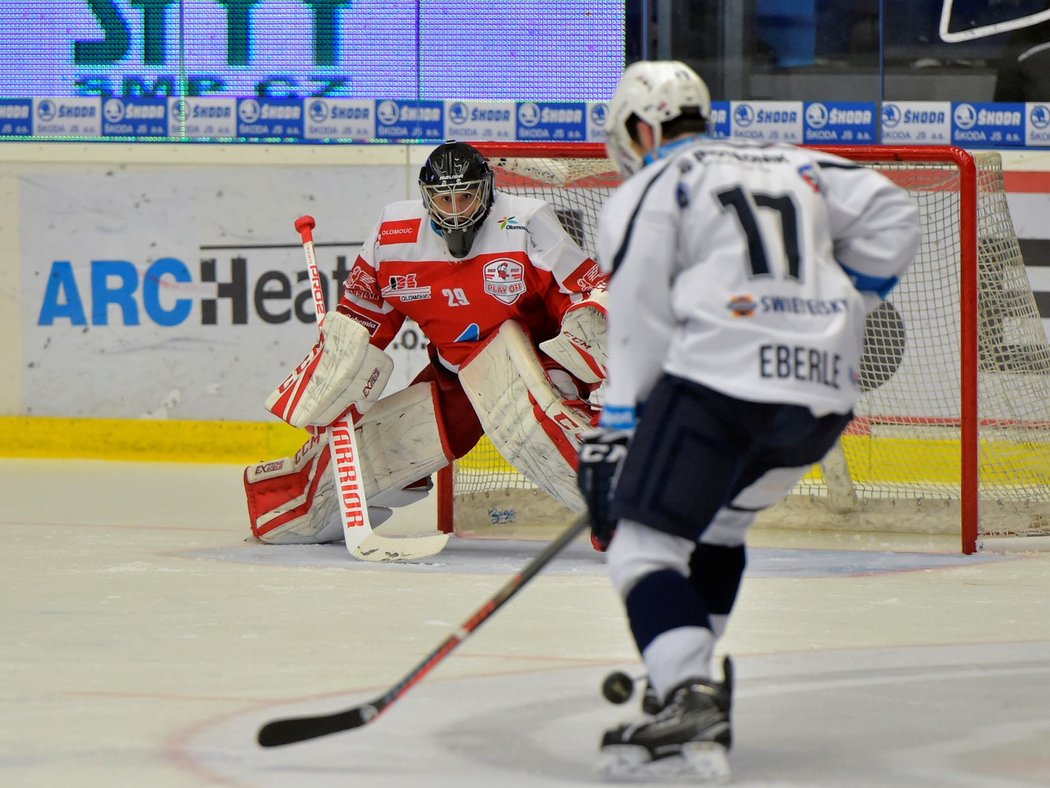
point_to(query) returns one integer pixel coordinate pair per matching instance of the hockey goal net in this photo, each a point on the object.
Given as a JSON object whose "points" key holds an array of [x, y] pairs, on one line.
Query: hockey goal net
{"points": [[952, 433]]}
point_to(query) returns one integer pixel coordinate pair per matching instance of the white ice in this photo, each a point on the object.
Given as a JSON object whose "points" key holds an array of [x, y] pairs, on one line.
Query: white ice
{"points": [[145, 641]]}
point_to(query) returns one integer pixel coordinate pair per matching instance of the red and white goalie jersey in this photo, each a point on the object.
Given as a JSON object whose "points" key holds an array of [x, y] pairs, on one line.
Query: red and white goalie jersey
{"points": [[522, 266]]}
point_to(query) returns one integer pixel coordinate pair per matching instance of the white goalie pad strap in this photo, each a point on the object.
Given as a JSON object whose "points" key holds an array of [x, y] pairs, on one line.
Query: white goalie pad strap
{"points": [[341, 370], [581, 345], [294, 501], [524, 415]]}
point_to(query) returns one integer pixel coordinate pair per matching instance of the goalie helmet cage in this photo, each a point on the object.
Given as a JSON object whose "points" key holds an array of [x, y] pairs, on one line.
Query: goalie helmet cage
{"points": [[952, 433]]}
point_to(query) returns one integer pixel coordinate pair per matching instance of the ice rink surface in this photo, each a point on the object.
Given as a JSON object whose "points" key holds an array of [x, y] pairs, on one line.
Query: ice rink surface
{"points": [[145, 641]]}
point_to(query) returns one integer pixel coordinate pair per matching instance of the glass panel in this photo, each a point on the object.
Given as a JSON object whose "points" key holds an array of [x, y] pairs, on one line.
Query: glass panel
{"points": [[852, 50]]}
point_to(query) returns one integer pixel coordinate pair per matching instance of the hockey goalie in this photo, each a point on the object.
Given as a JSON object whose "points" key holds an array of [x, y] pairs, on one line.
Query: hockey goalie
{"points": [[514, 315]]}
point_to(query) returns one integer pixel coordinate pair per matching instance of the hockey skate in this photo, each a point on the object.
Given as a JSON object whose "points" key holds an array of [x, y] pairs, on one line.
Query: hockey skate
{"points": [[652, 703], [688, 739]]}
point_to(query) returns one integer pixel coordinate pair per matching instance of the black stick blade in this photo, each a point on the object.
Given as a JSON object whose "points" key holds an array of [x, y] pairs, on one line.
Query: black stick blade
{"points": [[296, 729], [293, 729]]}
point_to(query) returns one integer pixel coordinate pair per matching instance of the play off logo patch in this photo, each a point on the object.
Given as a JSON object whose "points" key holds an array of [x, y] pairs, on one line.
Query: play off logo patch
{"points": [[401, 232]]}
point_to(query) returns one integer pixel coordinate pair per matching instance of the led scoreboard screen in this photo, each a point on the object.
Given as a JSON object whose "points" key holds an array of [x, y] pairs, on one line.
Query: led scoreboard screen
{"points": [[397, 49]]}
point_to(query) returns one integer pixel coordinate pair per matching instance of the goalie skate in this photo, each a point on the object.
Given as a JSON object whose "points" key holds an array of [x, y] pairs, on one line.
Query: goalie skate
{"points": [[687, 740]]}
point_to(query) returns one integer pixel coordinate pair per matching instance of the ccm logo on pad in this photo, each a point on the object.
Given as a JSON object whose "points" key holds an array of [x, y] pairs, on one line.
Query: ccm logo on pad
{"points": [[403, 232]]}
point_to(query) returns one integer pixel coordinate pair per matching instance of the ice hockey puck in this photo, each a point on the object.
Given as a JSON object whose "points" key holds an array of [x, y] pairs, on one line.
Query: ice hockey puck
{"points": [[618, 687]]}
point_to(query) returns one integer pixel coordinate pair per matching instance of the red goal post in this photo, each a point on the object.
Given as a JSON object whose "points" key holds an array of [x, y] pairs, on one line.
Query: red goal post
{"points": [[953, 431]]}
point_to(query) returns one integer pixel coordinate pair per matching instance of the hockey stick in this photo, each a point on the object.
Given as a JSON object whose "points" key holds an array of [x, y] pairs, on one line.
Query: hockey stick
{"points": [[361, 541], [296, 729]]}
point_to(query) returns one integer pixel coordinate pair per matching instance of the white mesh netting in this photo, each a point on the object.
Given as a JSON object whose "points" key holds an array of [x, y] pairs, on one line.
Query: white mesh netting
{"points": [[898, 465]]}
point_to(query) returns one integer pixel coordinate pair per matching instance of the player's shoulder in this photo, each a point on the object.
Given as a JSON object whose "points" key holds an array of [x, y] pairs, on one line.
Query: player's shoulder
{"points": [[652, 185], [401, 210], [821, 158], [401, 222], [746, 153], [726, 158], [520, 207]]}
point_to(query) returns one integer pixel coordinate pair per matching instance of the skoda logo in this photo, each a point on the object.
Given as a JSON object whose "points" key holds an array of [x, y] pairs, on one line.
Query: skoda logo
{"points": [[388, 112], [744, 114], [318, 111], [891, 115], [528, 114], [113, 110], [457, 113], [249, 110], [965, 116], [1040, 115], [817, 115]]}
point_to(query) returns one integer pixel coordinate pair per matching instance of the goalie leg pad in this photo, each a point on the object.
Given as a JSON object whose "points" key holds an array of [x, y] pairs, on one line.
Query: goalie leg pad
{"points": [[400, 444], [401, 441], [524, 415], [293, 500]]}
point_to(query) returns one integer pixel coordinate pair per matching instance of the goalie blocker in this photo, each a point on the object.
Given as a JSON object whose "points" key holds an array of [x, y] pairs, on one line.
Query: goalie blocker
{"points": [[342, 369], [403, 439]]}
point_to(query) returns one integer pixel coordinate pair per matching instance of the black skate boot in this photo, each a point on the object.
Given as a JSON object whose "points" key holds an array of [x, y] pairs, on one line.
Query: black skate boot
{"points": [[651, 702], [687, 739]]}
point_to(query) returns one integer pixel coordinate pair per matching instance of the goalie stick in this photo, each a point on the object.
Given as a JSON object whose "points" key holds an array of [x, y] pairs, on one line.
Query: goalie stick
{"points": [[297, 729], [361, 541]]}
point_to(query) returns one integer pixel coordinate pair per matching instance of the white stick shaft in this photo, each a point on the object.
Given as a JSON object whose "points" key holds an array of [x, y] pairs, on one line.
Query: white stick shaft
{"points": [[315, 280], [353, 509]]}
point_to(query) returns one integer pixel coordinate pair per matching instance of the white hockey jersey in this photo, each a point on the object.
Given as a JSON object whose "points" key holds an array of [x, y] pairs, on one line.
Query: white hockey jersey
{"points": [[749, 269]]}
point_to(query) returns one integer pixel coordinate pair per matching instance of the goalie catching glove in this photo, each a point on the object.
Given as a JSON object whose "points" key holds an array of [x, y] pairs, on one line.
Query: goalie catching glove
{"points": [[341, 370], [602, 452], [580, 347]]}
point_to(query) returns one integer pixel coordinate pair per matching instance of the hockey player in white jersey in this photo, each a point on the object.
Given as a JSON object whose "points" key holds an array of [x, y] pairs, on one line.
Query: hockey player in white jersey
{"points": [[741, 276]]}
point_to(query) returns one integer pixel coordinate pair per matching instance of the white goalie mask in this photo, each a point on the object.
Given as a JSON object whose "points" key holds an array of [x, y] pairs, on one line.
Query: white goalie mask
{"points": [[655, 92]]}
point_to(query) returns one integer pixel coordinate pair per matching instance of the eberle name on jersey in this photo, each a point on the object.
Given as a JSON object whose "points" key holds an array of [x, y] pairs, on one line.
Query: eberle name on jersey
{"points": [[797, 362]]}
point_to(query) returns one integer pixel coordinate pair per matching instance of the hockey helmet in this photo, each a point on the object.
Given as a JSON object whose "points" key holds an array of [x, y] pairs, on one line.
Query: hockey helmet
{"points": [[456, 184], [654, 92]]}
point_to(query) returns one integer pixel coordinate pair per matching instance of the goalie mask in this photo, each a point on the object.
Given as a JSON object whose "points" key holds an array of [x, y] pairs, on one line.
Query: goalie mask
{"points": [[654, 93], [456, 184]]}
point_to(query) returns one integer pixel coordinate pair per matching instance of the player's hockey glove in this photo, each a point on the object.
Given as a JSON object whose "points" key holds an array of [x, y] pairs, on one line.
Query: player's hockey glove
{"points": [[602, 452]]}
